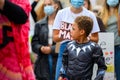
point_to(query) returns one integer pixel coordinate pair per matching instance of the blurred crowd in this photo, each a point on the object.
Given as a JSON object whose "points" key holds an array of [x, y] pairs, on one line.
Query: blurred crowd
{"points": [[39, 23], [107, 15]]}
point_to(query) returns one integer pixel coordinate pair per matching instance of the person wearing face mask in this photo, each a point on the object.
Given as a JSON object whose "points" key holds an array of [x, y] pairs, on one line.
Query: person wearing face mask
{"points": [[110, 20], [42, 43], [63, 23]]}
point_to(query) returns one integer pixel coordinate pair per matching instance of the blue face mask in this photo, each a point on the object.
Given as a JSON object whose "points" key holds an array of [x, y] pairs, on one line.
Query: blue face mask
{"points": [[48, 10], [112, 3], [77, 3]]}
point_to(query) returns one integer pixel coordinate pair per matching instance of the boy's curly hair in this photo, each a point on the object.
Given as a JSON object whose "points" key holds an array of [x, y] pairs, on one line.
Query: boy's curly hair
{"points": [[85, 23]]}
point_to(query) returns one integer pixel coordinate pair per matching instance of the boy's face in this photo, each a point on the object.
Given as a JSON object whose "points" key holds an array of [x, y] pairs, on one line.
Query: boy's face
{"points": [[75, 32]]}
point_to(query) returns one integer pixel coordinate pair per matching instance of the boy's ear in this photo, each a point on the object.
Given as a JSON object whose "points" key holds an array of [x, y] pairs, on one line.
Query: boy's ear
{"points": [[82, 32]]}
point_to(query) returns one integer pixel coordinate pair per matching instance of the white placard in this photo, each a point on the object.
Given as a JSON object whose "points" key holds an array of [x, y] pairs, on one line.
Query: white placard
{"points": [[106, 41]]}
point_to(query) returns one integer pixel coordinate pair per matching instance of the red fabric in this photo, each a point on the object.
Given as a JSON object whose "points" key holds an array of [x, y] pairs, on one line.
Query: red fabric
{"points": [[15, 61]]}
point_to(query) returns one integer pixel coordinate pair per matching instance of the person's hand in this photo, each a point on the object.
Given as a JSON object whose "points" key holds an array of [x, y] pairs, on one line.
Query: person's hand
{"points": [[46, 49], [60, 78], [2, 2], [100, 75]]}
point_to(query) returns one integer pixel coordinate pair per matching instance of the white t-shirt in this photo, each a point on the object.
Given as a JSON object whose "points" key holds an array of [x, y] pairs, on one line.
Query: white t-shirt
{"points": [[50, 35], [65, 18]]}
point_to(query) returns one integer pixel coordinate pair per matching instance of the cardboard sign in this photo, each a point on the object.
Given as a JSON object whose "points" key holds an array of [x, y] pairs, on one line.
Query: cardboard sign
{"points": [[106, 41]]}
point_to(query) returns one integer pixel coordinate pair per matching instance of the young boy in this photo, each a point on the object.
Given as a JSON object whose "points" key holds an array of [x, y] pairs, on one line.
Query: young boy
{"points": [[80, 54]]}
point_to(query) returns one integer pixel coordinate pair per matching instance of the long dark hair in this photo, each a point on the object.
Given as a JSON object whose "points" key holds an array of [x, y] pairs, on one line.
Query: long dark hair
{"points": [[59, 4], [89, 4]]}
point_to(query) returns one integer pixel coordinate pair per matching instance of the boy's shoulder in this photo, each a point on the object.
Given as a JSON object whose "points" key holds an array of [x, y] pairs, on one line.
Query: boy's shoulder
{"points": [[71, 42], [96, 45], [90, 43]]}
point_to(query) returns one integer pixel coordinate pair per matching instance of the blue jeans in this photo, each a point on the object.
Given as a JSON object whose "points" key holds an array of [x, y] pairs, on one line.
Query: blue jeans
{"points": [[59, 61], [50, 65], [117, 62]]}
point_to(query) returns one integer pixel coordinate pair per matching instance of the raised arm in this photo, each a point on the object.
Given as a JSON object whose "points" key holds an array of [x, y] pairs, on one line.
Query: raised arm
{"points": [[2, 2], [13, 12]]}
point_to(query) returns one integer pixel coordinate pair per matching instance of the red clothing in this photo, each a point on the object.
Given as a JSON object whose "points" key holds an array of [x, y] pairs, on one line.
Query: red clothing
{"points": [[15, 61]]}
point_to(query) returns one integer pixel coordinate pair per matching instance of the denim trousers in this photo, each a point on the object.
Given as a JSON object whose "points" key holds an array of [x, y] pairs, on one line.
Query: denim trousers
{"points": [[117, 62], [59, 61]]}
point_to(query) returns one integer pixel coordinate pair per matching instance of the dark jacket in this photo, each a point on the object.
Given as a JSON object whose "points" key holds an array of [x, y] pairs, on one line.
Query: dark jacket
{"points": [[101, 24], [40, 38], [78, 61]]}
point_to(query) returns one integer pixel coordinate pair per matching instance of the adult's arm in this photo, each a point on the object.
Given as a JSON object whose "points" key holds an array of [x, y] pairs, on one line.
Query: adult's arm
{"points": [[13, 12], [56, 27], [96, 29], [36, 46], [33, 13], [94, 37], [56, 37], [2, 2]]}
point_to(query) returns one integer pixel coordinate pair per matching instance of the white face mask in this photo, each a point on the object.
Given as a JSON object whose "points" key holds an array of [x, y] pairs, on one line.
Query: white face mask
{"points": [[49, 9], [112, 3], [77, 3]]}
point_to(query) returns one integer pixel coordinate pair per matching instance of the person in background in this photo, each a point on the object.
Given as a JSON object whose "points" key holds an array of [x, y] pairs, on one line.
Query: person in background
{"points": [[63, 24], [81, 54], [15, 61], [87, 4], [42, 42], [110, 20]]}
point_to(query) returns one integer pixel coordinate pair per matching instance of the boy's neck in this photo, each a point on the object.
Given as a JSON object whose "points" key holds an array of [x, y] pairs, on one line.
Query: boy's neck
{"points": [[82, 40]]}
